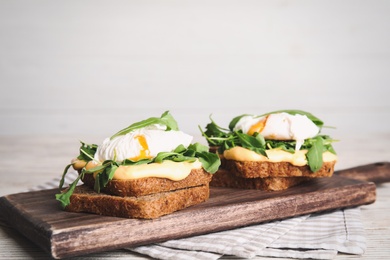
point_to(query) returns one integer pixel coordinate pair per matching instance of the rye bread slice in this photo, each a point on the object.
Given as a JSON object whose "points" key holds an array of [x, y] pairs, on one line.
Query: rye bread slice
{"points": [[249, 169], [225, 178], [150, 185], [85, 199]]}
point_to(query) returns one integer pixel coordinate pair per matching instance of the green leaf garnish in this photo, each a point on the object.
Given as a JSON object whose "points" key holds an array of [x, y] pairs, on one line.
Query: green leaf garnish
{"points": [[166, 119], [210, 161], [105, 173], [64, 197], [314, 154], [87, 151], [63, 175]]}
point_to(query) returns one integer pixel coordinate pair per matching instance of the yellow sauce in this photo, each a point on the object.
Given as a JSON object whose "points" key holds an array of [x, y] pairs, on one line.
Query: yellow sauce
{"points": [[274, 155], [175, 171]]}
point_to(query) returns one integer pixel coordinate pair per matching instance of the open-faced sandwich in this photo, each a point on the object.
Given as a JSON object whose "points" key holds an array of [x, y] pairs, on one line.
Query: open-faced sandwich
{"points": [[146, 170], [272, 151]]}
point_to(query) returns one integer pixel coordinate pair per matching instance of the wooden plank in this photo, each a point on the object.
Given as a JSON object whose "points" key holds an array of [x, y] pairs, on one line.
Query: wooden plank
{"points": [[62, 234], [378, 172]]}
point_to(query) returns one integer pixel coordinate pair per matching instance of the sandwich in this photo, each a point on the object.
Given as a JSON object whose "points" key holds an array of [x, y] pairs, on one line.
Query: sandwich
{"points": [[146, 170], [272, 151]]}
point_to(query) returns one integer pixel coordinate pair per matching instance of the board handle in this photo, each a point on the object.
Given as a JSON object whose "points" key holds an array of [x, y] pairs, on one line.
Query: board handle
{"points": [[378, 172]]}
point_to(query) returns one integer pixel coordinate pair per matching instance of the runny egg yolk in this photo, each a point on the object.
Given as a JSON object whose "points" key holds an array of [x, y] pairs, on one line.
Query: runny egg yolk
{"points": [[144, 153], [258, 127]]}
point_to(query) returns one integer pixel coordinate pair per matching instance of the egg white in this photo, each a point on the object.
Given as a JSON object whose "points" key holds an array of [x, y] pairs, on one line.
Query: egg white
{"points": [[281, 126], [129, 146]]}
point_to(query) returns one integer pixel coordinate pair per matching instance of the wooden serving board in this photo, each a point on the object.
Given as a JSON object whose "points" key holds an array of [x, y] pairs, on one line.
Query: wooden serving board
{"points": [[38, 216]]}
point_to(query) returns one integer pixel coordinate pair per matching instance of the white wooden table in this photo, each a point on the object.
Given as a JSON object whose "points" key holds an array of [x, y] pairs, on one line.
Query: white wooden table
{"points": [[28, 161]]}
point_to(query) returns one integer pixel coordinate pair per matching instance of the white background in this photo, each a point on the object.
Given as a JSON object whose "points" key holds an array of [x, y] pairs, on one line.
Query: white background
{"points": [[94, 67]]}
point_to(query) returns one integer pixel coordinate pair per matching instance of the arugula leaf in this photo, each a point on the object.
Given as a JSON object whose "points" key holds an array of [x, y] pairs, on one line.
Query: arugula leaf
{"points": [[64, 197], [251, 143], [260, 138], [87, 151], [63, 176], [214, 136], [198, 147], [210, 161], [176, 157], [127, 162], [288, 146], [166, 119], [314, 154], [218, 133], [105, 175], [98, 183]]}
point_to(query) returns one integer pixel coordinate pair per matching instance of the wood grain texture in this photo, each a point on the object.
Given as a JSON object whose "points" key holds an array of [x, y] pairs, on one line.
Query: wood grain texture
{"points": [[62, 234], [378, 172]]}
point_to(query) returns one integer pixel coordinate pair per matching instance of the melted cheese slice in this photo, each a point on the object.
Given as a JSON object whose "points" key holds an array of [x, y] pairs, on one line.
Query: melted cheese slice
{"points": [[175, 171], [274, 155]]}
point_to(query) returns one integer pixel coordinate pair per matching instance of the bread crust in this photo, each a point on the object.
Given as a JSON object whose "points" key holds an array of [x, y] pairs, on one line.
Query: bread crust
{"points": [[85, 199], [225, 178], [150, 185], [267, 176], [250, 169]]}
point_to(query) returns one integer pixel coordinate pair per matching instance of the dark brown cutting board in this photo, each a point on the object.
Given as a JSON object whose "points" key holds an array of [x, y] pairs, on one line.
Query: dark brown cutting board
{"points": [[39, 217]]}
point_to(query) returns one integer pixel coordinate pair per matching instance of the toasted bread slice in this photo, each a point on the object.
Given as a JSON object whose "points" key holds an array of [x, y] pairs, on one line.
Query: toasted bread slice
{"points": [[249, 169], [84, 199], [150, 185], [225, 178]]}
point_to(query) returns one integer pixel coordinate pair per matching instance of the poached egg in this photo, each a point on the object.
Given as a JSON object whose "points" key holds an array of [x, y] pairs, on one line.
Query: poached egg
{"points": [[279, 126], [143, 143]]}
